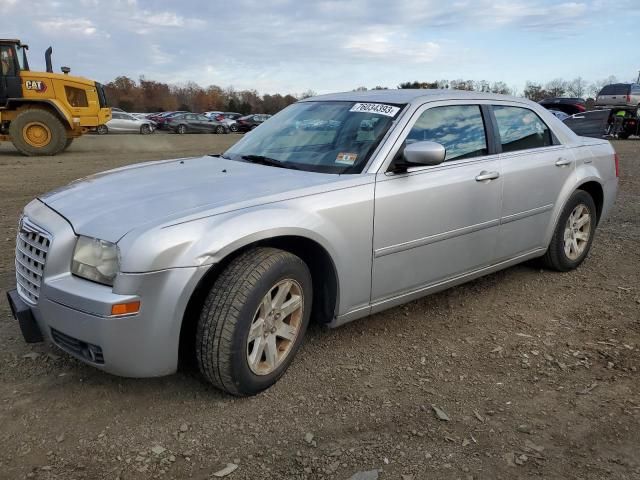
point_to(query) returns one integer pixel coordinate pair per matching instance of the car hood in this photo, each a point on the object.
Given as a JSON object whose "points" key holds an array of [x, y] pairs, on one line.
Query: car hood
{"points": [[110, 204]]}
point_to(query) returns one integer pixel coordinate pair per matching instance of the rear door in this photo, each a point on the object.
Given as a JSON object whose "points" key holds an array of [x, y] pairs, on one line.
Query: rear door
{"points": [[535, 166]]}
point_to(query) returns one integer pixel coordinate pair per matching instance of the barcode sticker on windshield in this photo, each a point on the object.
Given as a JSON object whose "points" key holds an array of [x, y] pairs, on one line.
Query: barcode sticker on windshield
{"points": [[387, 110]]}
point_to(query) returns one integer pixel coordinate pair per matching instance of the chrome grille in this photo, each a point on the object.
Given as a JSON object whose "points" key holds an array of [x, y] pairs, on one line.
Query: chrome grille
{"points": [[32, 246]]}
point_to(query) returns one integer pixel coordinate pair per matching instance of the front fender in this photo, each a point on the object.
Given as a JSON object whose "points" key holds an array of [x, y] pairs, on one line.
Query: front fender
{"points": [[340, 222]]}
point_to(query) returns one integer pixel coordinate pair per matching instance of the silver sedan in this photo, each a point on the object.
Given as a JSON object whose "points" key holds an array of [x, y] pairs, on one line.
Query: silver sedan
{"points": [[122, 122], [338, 207]]}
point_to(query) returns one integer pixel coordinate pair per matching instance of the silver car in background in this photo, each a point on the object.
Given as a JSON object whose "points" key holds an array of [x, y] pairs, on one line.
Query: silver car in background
{"points": [[338, 207], [619, 95], [122, 122]]}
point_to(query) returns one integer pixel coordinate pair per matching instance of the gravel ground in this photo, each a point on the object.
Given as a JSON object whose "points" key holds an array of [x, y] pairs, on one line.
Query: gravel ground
{"points": [[521, 374]]}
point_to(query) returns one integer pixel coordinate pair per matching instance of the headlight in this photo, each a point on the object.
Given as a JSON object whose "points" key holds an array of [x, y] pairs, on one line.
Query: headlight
{"points": [[95, 260]]}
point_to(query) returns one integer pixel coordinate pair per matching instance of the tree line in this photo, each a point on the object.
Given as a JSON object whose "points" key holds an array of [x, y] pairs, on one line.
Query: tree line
{"points": [[578, 87], [152, 96]]}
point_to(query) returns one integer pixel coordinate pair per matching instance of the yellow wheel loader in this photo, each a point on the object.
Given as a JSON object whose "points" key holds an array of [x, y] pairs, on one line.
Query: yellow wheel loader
{"points": [[42, 112]]}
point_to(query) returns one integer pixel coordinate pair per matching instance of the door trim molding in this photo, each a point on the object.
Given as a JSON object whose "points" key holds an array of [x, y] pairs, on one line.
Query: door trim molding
{"points": [[438, 237], [527, 213]]}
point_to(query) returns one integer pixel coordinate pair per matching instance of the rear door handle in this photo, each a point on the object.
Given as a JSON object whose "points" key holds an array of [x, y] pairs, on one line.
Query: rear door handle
{"points": [[485, 176], [563, 162]]}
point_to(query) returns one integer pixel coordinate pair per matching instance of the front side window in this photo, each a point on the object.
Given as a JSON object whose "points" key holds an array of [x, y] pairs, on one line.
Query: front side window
{"points": [[521, 129], [459, 128], [329, 136]]}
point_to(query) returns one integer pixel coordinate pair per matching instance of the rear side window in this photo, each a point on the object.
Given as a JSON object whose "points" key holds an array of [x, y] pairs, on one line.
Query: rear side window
{"points": [[615, 89], [459, 128], [521, 129]]}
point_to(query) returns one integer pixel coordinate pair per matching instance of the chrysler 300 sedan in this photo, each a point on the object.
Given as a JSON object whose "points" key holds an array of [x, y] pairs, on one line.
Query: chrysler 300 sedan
{"points": [[337, 207]]}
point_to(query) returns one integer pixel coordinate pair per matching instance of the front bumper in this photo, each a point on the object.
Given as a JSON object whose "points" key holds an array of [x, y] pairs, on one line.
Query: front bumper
{"points": [[75, 314], [75, 318]]}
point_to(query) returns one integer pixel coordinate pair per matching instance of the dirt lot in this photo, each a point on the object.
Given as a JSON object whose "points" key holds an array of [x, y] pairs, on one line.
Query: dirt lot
{"points": [[537, 372]]}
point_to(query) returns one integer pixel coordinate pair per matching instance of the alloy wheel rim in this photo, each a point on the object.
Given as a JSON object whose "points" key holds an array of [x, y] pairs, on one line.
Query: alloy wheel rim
{"points": [[37, 134], [275, 327], [577, 232]]}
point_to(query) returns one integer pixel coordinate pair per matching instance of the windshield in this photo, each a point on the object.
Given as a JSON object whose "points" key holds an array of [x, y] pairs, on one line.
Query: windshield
{"points": [[330, 137]]}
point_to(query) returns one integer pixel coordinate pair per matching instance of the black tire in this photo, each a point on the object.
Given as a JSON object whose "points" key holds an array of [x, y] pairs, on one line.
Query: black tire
{"points": [[229, 310], [181, 129], [623, 135], [220, 129], [102, 129], [57, 134], [68, 143], [233, 127], [145, 129], [555, 257]]}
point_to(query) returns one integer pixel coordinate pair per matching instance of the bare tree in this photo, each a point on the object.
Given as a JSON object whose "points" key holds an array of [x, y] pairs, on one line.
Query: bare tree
{"points": [[577, 87], [556, 87]]}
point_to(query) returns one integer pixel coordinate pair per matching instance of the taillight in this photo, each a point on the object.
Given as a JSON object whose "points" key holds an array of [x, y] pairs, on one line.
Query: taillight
{"points": [[581, 108], [628, 98], [617, 160]]}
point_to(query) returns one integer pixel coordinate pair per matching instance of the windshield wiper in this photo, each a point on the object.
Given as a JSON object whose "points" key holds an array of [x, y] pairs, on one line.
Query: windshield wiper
{"points": [[272, 162]]}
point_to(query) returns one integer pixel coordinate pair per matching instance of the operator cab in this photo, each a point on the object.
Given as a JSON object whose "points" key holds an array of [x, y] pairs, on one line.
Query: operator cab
{"points": [[13, 59]]}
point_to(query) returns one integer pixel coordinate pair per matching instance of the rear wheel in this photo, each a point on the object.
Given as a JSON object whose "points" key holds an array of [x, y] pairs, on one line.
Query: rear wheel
{"points": [[38, 132], [623, 135], [182, 129], [102, 130], [233, 128], [253, 321], [574, 233], [220, 129]]}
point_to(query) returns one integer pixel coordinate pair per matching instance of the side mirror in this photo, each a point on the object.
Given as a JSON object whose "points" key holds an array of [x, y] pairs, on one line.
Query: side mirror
{"points": [[424, 153]]}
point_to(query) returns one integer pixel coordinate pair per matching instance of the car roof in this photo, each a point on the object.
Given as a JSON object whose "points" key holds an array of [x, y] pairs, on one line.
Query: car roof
{"points": [[409, 95]]}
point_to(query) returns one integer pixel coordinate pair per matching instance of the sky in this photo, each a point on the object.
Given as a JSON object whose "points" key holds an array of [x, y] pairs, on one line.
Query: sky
{"points": [[291, 46]]}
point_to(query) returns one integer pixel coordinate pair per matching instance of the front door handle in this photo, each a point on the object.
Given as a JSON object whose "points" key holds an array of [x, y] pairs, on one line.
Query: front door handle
{"points": [[563, 162], [485, 176]]}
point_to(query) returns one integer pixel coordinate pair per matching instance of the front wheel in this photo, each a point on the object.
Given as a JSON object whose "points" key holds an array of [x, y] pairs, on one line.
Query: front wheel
{"points": [[233, 128], [220, 129], [574, 233], [102, 130], [145, 129], [182, 129], [253, 321]]}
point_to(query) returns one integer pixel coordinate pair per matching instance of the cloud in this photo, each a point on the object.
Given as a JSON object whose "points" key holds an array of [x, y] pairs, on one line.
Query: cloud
{"points": [[70, 26]]}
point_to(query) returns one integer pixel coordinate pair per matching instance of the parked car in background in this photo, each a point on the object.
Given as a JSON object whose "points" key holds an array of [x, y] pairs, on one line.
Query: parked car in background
{"points": [[619, 95], [194, 123], [126, 123], [249, 122], [227, 258], [568, 105], [163, 119], [212, 114], [230, 119]]}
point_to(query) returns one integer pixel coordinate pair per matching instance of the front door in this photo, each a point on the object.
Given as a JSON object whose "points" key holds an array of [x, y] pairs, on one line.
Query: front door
{"points": [[535, 167], [10, 83], [438, 222]]}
